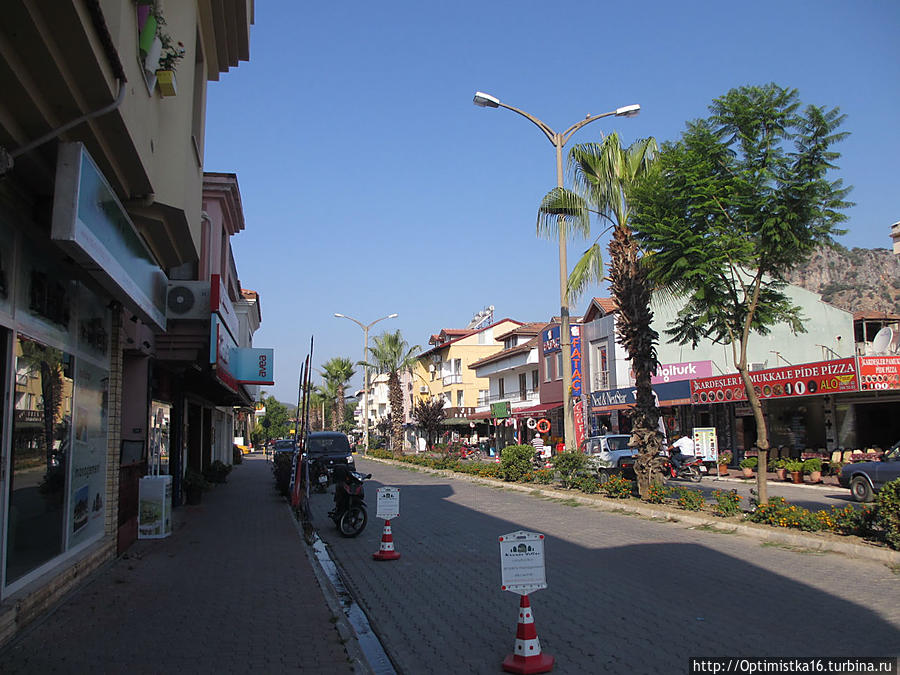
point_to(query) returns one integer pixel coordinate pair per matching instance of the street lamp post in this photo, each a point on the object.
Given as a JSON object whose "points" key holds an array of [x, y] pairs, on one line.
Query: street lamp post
{"points": [[365, 359], [565, 339]]}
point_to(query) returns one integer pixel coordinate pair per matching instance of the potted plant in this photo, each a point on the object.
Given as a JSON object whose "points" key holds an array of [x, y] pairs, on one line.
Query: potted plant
{"points": [[813, 466], [172, 52], [217, 472], [724, 461], [795, 468], [194, 484], [779, 466], [748, 464]]}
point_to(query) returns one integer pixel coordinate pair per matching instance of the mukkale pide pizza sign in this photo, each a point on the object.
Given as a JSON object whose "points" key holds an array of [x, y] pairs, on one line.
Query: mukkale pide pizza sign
{"points": [[824, 377]]}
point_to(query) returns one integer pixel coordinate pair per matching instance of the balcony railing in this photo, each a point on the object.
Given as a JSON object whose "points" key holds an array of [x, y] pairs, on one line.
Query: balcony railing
{"points": [[517, 395], [452, 379]]}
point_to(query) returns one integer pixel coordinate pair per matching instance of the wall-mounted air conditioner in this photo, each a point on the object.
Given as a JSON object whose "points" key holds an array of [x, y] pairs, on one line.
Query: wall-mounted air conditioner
{"points": [[188, 300]]}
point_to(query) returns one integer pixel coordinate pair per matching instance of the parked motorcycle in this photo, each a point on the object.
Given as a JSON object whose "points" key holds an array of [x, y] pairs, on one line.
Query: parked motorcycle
{"points": [[319, 476], [349, 513], [692, 469]]}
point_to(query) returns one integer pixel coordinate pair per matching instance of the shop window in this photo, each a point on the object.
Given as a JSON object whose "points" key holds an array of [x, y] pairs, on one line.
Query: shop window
{"points": [[39, 457]]}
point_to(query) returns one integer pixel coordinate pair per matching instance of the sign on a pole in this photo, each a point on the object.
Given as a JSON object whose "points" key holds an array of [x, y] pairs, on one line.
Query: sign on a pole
{"points": [[522, 562], [706, 444], [388, 503]]}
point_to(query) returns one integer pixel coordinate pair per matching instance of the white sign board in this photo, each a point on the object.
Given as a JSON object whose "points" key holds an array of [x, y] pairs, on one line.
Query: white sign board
{"points": [[388, 503], [522, 562], [706, 444]]}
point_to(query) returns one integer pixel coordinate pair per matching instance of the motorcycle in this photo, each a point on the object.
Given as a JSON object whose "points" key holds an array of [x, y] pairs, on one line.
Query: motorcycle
{"points": [[349, 513], [692, 469], [319, 476]]}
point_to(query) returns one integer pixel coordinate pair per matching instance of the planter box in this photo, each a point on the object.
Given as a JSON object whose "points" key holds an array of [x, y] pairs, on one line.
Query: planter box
{"points": [[165, 80]]}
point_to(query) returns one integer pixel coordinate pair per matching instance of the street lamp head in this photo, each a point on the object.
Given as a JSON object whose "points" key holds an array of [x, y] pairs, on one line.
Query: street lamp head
{"points": [[628, 110], [393, 316], [340, 316], [485, 100]]}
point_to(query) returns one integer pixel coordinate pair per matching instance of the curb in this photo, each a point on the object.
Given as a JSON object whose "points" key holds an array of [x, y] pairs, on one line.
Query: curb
{"points": [[342, 624], [761, 532]]}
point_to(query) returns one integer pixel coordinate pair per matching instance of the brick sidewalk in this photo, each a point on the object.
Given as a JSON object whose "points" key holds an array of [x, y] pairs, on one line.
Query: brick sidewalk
{"points": [[231, 591]]}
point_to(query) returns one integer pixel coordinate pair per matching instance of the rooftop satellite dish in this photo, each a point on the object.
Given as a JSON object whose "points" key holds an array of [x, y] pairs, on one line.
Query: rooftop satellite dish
{"points": [[883, 341]]}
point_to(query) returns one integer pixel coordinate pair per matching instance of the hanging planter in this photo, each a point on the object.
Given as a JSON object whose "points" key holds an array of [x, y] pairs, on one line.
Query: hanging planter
{"points": [[165, 80]]}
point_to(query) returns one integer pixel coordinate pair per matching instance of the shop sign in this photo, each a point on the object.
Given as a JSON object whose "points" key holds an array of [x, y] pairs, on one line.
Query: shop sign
{"points": [[579, 423], [576, 361], [667, 394], [823, 377], [500, 410], [689, 370], [92, 226], [706, 443], [253, 366], [221, 348], [877, 373]]}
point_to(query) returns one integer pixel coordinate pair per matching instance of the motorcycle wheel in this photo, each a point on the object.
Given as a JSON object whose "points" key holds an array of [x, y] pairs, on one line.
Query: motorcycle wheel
{"points": [[694, 474], [353, 521]]}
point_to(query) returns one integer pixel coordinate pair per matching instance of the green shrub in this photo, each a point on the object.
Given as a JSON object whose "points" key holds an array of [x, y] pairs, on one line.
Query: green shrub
{"points": [[812, 464], [793, 465], [490, 470], [727, 503], [658, 493], [543, 476], [690, 500], [780, 513], [749, 462], [587, 484], [618, 487], [887, 512], [515, 462], [380, 453], [570, 466]]}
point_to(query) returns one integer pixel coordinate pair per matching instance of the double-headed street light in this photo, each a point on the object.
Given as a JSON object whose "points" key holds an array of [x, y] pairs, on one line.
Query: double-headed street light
{"points": [[559, 140], [365, 359]]}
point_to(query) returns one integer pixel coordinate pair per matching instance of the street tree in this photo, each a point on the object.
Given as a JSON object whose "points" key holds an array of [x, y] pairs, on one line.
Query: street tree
{"points": [[276, 421], [605, 173], [338, 370], [331, 393], [392, 355], [742, 198], [429, 416]]}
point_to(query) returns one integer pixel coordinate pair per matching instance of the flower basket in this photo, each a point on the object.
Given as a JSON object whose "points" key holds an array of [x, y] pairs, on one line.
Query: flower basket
{"points": [[165, 80]]}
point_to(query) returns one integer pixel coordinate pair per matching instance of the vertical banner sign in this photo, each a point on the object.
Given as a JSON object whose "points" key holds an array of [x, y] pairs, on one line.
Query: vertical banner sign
{"points": [[706, 444], [579, 423], [576, 361], [522, 562], [388, 503]]}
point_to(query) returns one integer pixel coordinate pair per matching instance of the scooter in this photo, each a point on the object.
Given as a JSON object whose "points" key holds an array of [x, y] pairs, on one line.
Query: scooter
{"points": [[349, 513], [319, 476], [691, 469]]}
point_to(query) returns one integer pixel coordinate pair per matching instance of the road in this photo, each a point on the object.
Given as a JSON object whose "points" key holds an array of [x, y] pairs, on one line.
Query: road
{"points": [[625, 595]]}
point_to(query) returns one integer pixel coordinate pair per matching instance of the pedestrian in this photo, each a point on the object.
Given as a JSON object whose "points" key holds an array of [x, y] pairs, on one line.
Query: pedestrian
{"points": [[538, 444]]}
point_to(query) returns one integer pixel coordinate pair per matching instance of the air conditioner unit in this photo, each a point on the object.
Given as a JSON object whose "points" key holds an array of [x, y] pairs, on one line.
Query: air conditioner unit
{"points": [[188, 300], [423, 389]]}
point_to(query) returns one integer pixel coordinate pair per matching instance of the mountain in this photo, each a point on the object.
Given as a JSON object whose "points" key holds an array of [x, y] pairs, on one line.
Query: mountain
{"points": [[857, 279]]}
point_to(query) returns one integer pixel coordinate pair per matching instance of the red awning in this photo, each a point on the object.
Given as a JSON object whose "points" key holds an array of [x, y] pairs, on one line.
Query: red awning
{"points": [[480, 415], [535, 410]]}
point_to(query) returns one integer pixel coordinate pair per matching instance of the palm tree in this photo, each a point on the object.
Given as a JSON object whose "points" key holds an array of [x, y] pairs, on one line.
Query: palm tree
{"points": [[391, 355], [331, 393], [338, 371], [604, 174]]}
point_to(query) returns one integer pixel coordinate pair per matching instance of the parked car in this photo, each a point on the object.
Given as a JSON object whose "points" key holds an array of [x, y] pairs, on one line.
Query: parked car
{"points": [[283, 445], [329, 449], [864, 479], [610, 449]]}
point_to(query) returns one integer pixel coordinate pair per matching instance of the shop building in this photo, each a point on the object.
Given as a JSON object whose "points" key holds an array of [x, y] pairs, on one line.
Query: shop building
{"points": [[100, 206]]}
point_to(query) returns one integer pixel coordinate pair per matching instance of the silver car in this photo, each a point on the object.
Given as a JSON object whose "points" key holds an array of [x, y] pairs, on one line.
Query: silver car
{"points": [[866, 478]]}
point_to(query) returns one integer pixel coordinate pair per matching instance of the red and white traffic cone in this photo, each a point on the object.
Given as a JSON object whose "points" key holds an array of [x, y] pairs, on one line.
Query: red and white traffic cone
{"points": [[386, 550], [527, 657]]}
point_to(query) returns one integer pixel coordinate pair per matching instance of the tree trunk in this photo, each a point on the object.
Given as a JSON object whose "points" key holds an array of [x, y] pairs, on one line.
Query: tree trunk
{"points": [[395, 393], [762, 438]]}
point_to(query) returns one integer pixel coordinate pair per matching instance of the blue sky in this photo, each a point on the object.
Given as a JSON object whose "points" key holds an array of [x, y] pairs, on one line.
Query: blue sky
{"points": [[371, 184]]}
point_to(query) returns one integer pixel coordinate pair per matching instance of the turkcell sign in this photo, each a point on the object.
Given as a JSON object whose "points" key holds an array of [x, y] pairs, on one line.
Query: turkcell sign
{"points": [[550, 344]]}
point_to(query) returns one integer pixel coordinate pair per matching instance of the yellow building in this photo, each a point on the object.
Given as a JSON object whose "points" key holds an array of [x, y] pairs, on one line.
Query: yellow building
{"points": [[443, 371]]}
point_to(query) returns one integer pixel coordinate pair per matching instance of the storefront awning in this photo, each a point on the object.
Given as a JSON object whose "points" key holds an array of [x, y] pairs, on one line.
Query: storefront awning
{"points": [[535, 410], [667, 394]]}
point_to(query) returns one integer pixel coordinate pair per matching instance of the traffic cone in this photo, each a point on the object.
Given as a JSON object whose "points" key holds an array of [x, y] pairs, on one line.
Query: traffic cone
{"points": [[386, 550], [527, 657]]}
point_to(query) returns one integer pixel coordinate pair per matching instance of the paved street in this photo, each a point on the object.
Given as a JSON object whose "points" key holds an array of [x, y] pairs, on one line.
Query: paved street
{"points": [[231, 591], [626, 594]]}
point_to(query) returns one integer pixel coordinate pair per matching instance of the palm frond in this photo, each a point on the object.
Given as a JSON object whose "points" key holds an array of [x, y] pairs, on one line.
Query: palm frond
{"points": [[589, 269], [563, 208]]}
